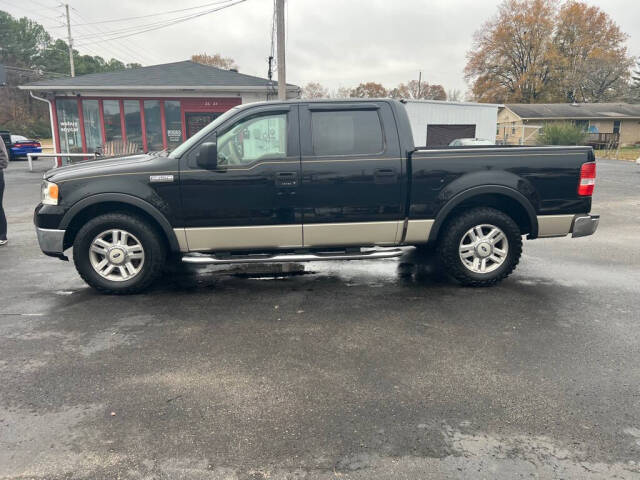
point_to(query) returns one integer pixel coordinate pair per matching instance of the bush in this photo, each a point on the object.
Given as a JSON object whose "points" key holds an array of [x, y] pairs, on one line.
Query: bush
{"points": [[562, 134]]}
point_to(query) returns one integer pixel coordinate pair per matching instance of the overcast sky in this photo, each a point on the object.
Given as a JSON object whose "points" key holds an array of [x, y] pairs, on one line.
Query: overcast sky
{"points": [[335, 42]]}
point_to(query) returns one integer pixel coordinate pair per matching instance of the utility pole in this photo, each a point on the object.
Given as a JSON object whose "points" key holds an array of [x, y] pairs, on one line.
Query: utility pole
{"points": [[282, 76], [419, 83], [70, 42]]}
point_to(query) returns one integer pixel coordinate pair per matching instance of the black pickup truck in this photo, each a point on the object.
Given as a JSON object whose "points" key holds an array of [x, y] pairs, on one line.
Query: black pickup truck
{"points": [[312, 180]]}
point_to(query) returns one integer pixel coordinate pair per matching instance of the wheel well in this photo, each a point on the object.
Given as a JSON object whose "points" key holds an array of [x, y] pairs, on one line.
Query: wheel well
{"points": [[505, 204], [92, 211]]}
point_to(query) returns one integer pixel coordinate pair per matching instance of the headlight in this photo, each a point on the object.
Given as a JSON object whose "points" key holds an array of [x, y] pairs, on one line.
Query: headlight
{"points": [[49, 193]]}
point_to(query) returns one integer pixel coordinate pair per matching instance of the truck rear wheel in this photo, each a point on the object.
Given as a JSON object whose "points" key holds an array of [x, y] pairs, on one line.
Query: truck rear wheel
{"points": [[480, 247], [118, 253]]}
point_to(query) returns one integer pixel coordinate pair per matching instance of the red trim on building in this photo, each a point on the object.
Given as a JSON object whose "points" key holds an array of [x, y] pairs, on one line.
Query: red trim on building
{"points": [[123, 128], [183, 118], [143, 124], [163, 125], [81, 122], [56, 132], [104, 133]]}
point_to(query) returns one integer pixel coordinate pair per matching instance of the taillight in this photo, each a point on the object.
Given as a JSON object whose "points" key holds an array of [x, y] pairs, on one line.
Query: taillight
{"points": [[587, 179]]}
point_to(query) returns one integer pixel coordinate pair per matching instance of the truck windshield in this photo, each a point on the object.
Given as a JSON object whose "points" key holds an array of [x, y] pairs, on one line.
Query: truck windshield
{"points": [[183, 147]]}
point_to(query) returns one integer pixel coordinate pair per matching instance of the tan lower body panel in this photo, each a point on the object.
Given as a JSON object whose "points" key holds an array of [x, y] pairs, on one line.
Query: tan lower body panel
{"points": [[418, 231], [238, 238], [554, 225], [346, 234]]}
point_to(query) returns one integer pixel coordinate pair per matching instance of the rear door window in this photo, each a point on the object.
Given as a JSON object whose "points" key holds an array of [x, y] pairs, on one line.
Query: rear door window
{"points": [[346, 132]]}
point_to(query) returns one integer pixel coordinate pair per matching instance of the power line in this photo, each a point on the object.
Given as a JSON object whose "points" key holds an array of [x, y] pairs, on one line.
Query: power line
{"points": [[118, 45], [31, 14], [126, 19], [166, 22], [170, 23]]}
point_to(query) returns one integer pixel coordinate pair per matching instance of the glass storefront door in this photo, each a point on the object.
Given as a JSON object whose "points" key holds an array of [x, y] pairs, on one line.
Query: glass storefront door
{"points": [[69, 125]]}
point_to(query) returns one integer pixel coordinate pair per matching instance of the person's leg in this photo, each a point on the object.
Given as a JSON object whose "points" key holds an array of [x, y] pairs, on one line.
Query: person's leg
{"points": [[3, 218]]}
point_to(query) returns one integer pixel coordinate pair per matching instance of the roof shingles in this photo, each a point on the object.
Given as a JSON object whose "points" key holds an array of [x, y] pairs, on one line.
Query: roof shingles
{"points": [[574, 110], [177, 74]]}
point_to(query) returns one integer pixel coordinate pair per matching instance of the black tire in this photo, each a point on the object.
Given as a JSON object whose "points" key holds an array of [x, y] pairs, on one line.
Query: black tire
{"points": [[155, 253], [453, 233]]}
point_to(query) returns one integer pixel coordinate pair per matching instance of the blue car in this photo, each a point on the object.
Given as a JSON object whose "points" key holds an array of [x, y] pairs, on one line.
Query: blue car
{"points": [[20, 146]]}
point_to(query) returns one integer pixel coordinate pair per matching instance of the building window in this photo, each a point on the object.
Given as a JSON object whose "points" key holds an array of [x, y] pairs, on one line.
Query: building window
{"points": [[92, 126], [616, 126], [173, 119], [69, 125], [132, 122], [153, 125], [513, 128], [582, 124], [112, 127]]}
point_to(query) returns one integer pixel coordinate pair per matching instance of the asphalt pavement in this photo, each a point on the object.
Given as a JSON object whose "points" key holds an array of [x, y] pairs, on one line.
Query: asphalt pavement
{"points": [[350, 370]]}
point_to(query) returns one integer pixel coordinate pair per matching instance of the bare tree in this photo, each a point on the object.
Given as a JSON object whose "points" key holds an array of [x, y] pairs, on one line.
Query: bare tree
{"points": [[314, 90], [368, 90], [216, 60]]}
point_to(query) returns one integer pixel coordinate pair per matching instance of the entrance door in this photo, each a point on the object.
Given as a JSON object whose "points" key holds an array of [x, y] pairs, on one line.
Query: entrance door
{"points": [[249, 201], [443, 135], [352, 186], [197, 121]]}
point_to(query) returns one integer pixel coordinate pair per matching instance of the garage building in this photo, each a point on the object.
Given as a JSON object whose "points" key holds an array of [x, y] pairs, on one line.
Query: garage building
{"points": [[437, 123]]}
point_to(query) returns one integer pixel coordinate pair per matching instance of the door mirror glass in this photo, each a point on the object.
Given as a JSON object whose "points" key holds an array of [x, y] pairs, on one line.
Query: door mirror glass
{"points": [[207, 157]]}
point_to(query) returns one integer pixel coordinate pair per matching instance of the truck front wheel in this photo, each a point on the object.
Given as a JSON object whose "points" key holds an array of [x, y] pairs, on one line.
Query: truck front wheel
{"points": [[118, 253], [480, 247]]}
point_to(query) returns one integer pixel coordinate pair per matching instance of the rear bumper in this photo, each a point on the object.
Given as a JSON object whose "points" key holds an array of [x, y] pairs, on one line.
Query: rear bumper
{"points": [[584, 225], [51, 241]]}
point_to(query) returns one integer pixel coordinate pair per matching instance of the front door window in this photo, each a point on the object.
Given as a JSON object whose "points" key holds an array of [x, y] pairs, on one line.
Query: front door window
{"points": [[253, 139]]}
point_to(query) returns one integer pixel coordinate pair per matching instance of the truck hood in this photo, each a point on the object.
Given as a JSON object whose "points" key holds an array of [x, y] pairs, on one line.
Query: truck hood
{"points": [[107, 166]]}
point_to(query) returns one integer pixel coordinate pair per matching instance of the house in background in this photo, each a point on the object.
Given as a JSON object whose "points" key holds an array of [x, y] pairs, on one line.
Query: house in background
{"points": [[608, 124], [144, 109]]}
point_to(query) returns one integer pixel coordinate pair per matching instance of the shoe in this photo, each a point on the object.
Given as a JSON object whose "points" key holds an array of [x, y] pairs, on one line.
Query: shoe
{"points": [[3, 242]]}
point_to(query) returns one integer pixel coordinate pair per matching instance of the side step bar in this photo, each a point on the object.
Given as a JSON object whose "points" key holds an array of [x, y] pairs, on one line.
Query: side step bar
{"points": [[199, 258]]}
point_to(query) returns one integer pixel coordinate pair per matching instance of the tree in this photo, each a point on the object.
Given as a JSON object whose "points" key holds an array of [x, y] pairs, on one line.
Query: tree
{"points": [[533, 51], [509, 60], [454, 95], [216, 60], [634, 88], [314, 90], [589, 58], [368, 90], [422, 90]]}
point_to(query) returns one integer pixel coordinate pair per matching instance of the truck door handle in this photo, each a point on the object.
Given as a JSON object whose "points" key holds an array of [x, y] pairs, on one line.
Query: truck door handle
{"points": [[287, 179], [385, 175]]}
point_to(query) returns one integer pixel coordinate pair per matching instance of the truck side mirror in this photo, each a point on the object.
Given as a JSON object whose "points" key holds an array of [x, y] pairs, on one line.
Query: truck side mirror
{"points": [[207, 156]]}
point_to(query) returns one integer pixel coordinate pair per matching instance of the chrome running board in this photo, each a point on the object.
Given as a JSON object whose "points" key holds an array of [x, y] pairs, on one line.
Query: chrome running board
{"points": [[200, 258]]}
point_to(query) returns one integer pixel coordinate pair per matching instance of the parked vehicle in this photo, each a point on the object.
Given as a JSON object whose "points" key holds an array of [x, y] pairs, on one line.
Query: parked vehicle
{"points": [[312, 180], [470, 142], [20, 146]]}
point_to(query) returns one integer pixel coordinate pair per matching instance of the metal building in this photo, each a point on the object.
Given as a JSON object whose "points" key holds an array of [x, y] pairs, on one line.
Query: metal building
{"points": [[437, 123]]}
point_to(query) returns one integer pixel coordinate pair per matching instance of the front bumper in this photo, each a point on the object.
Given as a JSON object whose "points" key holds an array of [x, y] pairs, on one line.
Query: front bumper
{"points": [[51, 241], [584, 225]]}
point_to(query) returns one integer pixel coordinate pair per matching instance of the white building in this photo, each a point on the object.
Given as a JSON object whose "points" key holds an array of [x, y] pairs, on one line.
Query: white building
{"points": [[437, 123]]}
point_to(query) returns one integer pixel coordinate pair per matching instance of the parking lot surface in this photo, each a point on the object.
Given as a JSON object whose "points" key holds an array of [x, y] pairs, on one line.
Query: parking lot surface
{"points": [[350, 370]]}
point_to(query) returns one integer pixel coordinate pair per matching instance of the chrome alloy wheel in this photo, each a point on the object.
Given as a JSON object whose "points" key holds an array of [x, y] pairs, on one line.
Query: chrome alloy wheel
{"points": [[116, 255], [483, 248]]}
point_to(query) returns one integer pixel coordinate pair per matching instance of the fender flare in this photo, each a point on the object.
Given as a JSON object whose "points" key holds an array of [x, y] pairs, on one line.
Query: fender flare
{"points": [[484, 190], [149, 209]]}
